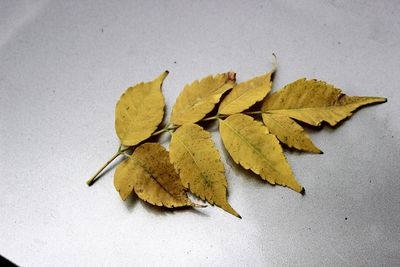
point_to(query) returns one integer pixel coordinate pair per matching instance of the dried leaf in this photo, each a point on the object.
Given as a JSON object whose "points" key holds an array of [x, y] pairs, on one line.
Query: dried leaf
{"points": [[313, 102], [139, 111], [289, 132], [161, 178], [250, 145], [123, 178], [149, 172], [246, 94], [200, 97], [199, 165]]}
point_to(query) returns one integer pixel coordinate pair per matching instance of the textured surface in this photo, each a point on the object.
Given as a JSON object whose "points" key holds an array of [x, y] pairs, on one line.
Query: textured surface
{"points": [[289, 132], [64, 65], [139, 111], [250, 145], [151, 175], [246, 94], [199, 98], [199, 165], [123, 179], [313, 102]]}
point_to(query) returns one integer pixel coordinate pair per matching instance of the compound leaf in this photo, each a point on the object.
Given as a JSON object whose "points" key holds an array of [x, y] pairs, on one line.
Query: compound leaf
{"points": [[139, 111], [250, 145], [150, 174], [289, 132], [246, 94], [313, 102], [200, 97], [199, 165]]}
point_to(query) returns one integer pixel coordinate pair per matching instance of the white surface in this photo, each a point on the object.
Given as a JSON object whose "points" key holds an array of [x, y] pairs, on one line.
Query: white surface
{"points": [[63, 66]]}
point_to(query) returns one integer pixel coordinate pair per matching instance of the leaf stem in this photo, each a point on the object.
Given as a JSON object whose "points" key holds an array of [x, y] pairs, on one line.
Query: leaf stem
{"points": [[167, 128], [218, 116], [210, 118], [173, 127], [254, 112], [160, 131], [95, 176]]}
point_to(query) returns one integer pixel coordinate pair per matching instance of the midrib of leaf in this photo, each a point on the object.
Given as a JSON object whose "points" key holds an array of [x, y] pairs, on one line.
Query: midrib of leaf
{"points": [[198, 102], [194, 160], [142, 165], [251, 145], [318, 107], [235, 99]]}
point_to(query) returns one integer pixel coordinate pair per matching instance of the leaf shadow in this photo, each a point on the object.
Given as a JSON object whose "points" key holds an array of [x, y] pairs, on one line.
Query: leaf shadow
{"points": [[160, 138], [163, 211], [256, 107], [131, 202], [311, 129], [211, 126]]}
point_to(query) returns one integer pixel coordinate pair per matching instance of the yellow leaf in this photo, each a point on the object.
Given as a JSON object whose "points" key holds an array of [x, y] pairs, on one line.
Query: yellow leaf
{"points": [[149, 172], [200, 97], [289, 132], [139, 111], [250, 145], [313, 102], [199, 165], [123, 178], [246, 94]]}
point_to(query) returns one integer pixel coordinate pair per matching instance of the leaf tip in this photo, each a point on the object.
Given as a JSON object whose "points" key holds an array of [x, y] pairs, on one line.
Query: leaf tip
{"points": [[379, 99], [123, 196], [163, 76], [228, 208], [234, 213], [303, 191], [321, 152]]}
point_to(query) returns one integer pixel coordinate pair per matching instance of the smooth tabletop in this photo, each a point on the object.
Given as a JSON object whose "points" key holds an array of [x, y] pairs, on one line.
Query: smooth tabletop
{"points": [[63, 66]]}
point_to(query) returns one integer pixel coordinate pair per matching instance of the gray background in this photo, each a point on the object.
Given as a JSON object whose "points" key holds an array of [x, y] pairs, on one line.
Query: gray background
{"points": [[63, 66]]}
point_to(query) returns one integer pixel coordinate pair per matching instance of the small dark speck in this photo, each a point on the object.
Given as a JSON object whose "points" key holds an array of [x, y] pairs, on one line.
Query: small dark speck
{"points": [[174, 62], [392, 136], [325, 24], [303, 191], [345, 218], [369, 181], [339, 43], [102, 30]]}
